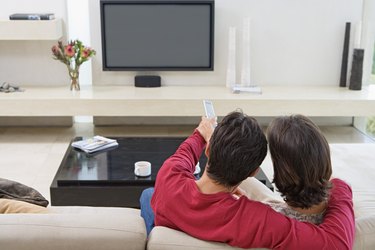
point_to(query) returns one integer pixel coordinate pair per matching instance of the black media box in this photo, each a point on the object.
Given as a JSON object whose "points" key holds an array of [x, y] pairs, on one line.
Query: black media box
{"points": [[32, 16], [147, 81]]}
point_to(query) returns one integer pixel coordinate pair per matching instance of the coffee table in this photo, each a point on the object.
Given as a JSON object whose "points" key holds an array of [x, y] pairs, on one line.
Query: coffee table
{"points": [[107, 178]]}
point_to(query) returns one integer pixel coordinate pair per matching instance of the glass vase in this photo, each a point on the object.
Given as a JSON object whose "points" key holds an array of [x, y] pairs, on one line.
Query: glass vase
{"points": [[74, 79]]}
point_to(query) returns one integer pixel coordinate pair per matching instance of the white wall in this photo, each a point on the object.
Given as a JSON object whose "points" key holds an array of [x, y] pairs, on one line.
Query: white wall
{"points": [[30, 62], [368, 38], [292, 42]]}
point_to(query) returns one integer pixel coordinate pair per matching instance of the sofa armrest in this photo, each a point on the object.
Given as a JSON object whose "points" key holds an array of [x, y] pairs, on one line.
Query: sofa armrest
{"points": [[78, 228]]}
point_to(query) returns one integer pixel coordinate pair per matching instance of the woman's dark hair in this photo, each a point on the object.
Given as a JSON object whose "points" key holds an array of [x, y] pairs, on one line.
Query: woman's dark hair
{"points": [[237, 148], [301, 160]]}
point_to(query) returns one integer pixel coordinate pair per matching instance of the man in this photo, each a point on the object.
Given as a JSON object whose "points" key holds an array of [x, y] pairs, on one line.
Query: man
{"points": [[210, 208]]}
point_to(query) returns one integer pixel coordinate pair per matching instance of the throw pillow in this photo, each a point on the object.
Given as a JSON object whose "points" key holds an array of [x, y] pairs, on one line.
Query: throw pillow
{"points": [[13, 206], [16, 191]]}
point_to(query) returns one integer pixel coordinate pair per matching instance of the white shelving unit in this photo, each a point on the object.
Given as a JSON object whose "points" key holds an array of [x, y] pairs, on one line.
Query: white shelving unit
{"points": [[31, 30], [172, 101]]}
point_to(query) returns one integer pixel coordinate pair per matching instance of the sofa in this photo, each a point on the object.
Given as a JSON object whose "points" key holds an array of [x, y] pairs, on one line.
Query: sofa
{"points": [[108, 228]]}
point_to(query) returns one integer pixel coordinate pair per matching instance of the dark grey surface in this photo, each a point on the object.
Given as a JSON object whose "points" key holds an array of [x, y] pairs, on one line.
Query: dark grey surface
{"points": [[357, 70], [168, 35], [345, 56]]}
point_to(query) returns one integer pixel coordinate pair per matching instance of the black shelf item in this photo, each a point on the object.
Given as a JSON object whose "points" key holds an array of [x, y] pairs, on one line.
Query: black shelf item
{"points": [[357, 70], [32, 16], [345, 54]]}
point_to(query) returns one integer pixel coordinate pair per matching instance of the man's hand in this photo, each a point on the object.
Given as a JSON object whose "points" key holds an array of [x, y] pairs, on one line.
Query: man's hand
{"points": [[206, 127]]}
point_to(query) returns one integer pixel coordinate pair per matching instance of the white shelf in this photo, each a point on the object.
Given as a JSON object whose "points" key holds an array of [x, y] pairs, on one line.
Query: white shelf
{"points": [[172, 101], [31, 30]]}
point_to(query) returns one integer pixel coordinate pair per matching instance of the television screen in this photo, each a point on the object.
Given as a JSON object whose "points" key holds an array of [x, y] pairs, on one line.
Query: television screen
{"points": [[157, 35]]}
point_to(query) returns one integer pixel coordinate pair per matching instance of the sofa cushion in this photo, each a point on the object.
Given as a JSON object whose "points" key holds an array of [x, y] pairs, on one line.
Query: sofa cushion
{"points": [[66, 228], [365, 233], [8, 206], [354, 163], [163, 238]]}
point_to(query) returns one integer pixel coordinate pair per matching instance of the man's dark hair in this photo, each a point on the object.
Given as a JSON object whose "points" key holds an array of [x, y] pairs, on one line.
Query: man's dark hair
{"points": [[237, 148], [301, 160]]}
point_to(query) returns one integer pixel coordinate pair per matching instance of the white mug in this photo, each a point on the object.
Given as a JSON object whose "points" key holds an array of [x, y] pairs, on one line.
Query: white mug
{"points": [[142, 168]]}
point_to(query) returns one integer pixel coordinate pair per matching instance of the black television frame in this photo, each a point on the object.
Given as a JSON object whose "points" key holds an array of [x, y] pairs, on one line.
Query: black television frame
{"points": [[210, 3]]}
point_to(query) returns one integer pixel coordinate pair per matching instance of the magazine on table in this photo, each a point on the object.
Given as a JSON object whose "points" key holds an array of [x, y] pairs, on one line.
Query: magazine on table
{"points": [[94, 144]]}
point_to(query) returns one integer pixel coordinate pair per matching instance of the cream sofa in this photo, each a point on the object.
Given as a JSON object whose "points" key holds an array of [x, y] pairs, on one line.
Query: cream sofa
{"points": [[99, 228]]}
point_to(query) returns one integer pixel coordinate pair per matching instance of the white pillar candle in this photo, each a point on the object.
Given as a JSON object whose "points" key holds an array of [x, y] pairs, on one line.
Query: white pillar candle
{"points": [[231, 67], [358, 34], [245, 72]]}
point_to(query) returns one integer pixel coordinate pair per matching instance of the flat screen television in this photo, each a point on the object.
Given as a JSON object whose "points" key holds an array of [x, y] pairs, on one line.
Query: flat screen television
{"points": [[143, 35]]}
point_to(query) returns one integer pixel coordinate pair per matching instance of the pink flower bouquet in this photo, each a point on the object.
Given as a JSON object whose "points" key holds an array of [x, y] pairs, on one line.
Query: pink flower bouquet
{"points": [[72, 55]]}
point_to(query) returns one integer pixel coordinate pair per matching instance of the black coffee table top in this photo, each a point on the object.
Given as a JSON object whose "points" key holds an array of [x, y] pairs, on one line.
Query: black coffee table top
{"points": [[116, 166], [107, 178]]}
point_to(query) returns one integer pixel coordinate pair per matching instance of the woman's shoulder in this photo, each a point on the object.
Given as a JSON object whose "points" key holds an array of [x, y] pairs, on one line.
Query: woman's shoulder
{"points": [[291, 213]]}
